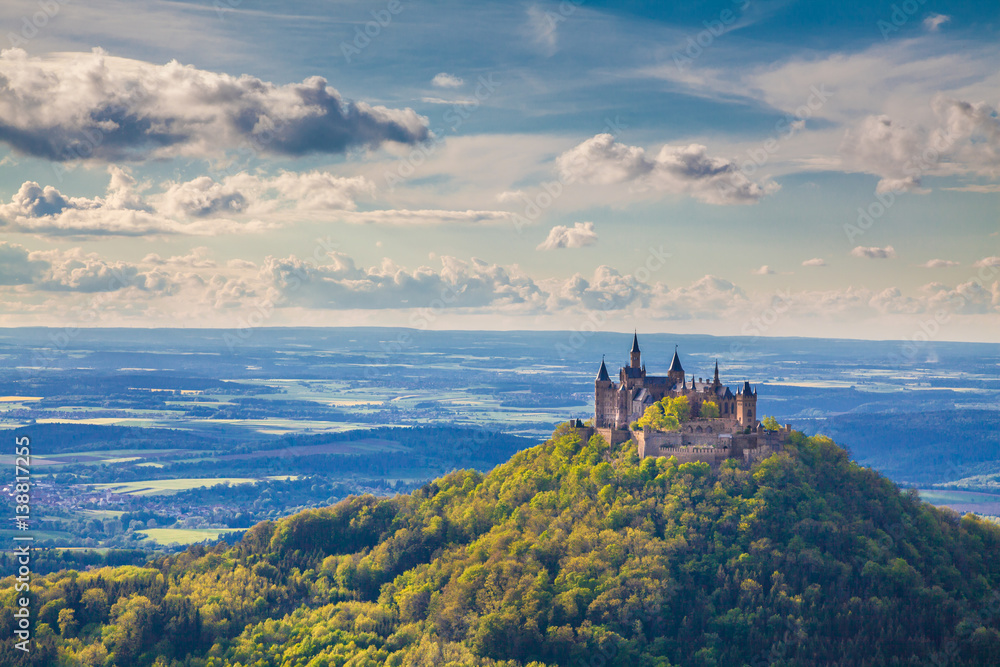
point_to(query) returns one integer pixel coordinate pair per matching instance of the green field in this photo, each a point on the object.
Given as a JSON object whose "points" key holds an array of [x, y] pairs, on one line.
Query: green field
{"points": [[166, 536], [168, 486], [151, 487]]}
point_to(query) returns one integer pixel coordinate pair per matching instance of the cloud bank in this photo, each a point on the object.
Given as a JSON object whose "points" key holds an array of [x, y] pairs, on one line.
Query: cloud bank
{"points": [[98, 107]]}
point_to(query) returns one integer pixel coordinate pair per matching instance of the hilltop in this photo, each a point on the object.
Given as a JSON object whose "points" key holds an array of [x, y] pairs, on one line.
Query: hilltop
{"points": [[573, 552]]}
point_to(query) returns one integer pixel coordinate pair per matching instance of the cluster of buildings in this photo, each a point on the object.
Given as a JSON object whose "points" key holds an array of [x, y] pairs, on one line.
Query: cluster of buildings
{"points": [[734, 433]]}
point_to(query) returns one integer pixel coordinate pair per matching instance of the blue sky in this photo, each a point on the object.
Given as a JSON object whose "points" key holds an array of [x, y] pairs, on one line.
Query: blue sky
{"points": [[766, 168]]}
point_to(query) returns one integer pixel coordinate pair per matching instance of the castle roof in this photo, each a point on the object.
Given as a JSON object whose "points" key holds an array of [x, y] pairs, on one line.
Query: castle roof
{"points": [[602, 375], [635, 342], [675, 363]]}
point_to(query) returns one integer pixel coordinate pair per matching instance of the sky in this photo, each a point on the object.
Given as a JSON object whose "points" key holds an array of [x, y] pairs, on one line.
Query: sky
{"points": [[743, 167]]}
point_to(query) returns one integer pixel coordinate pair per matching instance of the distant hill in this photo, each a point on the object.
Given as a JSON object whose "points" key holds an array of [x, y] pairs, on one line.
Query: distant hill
{"points": [[571, 553], [919, 448]]}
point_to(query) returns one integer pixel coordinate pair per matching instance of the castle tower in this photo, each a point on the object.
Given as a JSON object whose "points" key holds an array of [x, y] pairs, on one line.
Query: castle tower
{"points": [[676, 372], [715, 383], [746, 406], [604, 398], [634, 355]]}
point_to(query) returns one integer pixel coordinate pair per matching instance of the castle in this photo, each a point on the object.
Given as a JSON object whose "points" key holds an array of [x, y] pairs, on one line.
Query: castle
{"points": [[734, 433]]}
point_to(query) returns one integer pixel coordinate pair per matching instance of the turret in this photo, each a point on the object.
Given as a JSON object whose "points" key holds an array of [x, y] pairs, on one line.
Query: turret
{"points": [[602, 375], [676, 372], [634, 355], [715, 383]]}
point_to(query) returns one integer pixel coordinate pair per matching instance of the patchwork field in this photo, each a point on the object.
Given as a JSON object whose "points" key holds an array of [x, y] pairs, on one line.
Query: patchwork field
{"points": [[963, 501], [165, 536]]}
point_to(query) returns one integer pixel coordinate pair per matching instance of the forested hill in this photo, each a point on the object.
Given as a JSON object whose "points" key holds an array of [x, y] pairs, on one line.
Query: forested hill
{"points": [[571, 553]]}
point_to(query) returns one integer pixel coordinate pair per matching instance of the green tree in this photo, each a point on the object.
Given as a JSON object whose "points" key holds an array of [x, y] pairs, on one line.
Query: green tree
{"points": [[770, 423], [709, 410], [67, 622]]}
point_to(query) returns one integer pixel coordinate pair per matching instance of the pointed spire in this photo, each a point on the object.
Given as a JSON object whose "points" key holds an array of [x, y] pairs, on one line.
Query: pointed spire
{"points": [[602, 375], [635, 341], [675, 363], [746, 388], [716, 381]]}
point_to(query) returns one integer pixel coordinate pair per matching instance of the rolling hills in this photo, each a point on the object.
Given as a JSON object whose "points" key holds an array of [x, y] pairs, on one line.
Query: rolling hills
{"points": [[571, 553]]}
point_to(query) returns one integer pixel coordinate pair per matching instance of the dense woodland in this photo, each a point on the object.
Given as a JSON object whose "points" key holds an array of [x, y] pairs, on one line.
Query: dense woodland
{"points": [[571, 553]]}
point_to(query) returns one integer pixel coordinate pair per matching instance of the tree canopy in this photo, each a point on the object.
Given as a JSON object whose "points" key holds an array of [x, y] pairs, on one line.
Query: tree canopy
{"points": [[573, 552]]}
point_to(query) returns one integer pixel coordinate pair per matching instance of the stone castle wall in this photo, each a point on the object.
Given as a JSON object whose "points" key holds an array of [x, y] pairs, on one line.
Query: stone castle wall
{"points": [[692, 446]]}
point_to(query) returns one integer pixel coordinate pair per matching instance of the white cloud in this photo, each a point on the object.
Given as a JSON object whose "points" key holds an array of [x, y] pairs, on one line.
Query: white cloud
{"points": [[708, 298], [607, 290], [74, 270], [445, 80], [938, 264], [988, 262], [198, 258], [424, 217], [676, 169], [17, 267], [764, 270], [94, 106], [815, 261], [201, 206], [965, 139], [935, 21], [511, 195], [581, 234], [873, 252], [457, 284]]}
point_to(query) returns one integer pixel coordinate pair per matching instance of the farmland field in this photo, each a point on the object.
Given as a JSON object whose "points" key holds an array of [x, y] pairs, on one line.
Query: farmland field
{"points": [[165, 536]]}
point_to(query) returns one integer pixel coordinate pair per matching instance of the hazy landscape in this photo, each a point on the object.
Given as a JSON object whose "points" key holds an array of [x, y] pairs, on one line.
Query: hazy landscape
{"points": [[147, 438]]}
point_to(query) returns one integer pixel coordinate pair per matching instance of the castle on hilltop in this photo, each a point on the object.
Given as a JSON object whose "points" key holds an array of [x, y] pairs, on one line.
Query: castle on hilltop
{"points": [[734, 433], [618, 404]]}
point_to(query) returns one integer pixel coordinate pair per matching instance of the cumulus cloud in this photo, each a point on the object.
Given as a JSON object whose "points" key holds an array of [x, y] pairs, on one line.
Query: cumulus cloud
{"points": [[445, 80], [457, 284], [17, 267], [201, 206], [964, 140], [685, 170], [198, 258], [579, 235], [815, 261], [606, 290], [874, 252], [764, 270], [938, 264], [969, 298], [988, 262], [935, 21], [710, 297], [257, 195], [75, 270], [94, 106]]}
